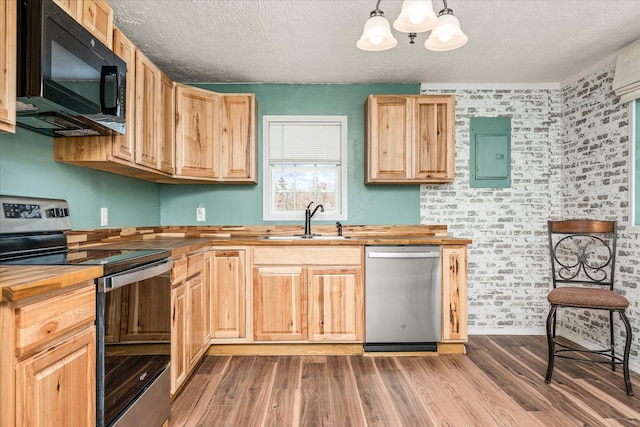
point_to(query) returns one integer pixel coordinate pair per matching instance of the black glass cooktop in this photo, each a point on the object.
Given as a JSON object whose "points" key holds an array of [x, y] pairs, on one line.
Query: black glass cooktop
{"points": [[113, 260]]}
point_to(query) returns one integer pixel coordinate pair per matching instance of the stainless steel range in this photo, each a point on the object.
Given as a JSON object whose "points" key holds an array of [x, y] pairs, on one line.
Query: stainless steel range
{"points": [[133, 314]]}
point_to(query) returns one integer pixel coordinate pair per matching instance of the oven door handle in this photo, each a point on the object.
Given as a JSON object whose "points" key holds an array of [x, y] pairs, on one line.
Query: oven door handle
{"points": [[108, 283]]}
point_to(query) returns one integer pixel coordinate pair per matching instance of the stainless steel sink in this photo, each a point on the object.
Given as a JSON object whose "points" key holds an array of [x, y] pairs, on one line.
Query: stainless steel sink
{"points": [[314, 237]]}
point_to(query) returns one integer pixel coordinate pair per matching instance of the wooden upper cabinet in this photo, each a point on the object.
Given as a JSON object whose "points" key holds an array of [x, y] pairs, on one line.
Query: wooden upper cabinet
{"points": [[238, 150], [147, 112], [124, 145], [8, 65], [197, 130], [95, 15], [454, 294], [410, 139]]}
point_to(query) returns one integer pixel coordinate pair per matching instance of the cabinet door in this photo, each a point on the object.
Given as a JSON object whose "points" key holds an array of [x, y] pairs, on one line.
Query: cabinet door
{"points": [[195, 319], [8, 65], [167, 126], [279, 304], [97, 17], [454, 293], [72, 7], [434, 148], [227, 280], [147, 112], [57, 387], [178, 336], [335, 304], [238, 154], [389, 133], [124, 145], [197, 132]]}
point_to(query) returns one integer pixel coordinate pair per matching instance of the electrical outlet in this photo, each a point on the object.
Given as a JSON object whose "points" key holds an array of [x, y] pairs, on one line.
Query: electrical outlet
{"points": [[104, 217], [201, 214]]}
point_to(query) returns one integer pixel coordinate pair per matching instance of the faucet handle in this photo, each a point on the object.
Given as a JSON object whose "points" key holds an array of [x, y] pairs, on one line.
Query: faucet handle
{"points": [[339, 225]]}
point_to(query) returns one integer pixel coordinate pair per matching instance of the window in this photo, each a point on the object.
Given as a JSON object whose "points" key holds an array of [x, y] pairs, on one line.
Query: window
{"points": [[634, 153], [304, 161]]}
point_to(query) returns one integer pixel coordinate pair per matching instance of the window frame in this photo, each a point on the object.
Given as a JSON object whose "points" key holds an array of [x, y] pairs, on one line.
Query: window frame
{"points": [[267, 190], [634, 165]]}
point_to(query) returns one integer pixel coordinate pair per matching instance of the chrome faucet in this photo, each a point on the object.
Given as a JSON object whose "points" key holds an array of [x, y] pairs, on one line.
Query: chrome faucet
{"points": [[307, 218]]}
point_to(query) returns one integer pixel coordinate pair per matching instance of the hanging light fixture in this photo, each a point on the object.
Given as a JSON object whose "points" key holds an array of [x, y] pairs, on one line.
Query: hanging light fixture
{"points": [[447, 35], [416, 16], [377, 32]]}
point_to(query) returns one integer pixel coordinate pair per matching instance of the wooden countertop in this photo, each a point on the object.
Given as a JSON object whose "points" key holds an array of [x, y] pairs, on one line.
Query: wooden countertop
{"points": [[18, 282], [182, 245]]}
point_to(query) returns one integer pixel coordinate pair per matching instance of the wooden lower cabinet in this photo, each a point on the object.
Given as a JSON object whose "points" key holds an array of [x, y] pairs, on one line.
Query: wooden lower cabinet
{"points": [[48, 359], [454, 294], [318, 296], [335, 304], [57, 387], [228, 296], [188, 312], [280, 304]]}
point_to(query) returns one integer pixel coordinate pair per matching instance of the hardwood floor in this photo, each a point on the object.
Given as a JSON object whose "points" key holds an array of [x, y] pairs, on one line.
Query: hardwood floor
{"points": [[500, 382]]}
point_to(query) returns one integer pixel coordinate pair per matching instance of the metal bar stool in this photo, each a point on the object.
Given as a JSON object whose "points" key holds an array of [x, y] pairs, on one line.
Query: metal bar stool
{"points": [[583, 255]]}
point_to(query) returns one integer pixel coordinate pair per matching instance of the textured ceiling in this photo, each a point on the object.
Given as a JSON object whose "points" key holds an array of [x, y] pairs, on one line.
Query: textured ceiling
{"points": [[304, 41]]}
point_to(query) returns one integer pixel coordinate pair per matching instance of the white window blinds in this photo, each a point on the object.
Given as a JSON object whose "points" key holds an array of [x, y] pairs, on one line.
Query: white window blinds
{"points": [[626, 82], [304, 142]]}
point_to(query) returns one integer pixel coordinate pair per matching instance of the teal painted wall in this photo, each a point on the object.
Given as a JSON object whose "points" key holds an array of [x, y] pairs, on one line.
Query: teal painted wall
{"points": [[27, 168], [242, 204]]}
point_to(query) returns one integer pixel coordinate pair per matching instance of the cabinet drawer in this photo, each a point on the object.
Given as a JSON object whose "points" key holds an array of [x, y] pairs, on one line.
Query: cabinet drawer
{"points": [[179, 271], [317, 255], [43, 322], [195, 265]]}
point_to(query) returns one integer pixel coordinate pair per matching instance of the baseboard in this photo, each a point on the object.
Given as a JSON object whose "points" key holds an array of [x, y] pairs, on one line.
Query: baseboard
{"points": [[508, 331]]}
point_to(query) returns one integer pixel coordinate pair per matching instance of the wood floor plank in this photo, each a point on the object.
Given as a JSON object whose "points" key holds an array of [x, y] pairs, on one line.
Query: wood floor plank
{"points": [[343, 393], [314, 402], [373, 395]]}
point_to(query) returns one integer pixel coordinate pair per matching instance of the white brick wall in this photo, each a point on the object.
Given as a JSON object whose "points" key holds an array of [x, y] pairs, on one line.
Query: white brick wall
{"points": [[569, 160]]}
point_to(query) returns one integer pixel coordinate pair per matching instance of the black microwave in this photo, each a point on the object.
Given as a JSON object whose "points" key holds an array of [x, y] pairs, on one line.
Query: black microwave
{"points": [[68, 82]]}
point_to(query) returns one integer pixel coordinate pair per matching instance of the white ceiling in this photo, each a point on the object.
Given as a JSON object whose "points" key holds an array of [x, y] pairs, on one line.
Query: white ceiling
{"points": [[314, 41]]}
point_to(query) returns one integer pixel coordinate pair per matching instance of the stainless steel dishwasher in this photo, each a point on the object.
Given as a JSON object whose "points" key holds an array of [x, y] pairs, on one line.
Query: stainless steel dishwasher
{"points": [[402, 298]]}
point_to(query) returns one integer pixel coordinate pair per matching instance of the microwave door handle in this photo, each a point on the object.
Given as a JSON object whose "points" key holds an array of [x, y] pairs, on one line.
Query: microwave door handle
{"points": [[109, 70]]}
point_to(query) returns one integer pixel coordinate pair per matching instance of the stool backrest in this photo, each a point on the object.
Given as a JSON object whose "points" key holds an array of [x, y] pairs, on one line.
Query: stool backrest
{"points": [[583, 252]]}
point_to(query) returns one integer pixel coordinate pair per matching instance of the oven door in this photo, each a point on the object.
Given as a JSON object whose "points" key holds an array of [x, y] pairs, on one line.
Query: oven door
{"points": [[134, 346]]}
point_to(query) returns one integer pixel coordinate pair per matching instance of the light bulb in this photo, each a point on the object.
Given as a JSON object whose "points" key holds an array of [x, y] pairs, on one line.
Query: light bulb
{"points": [[416, 19], [377, 39], [445, 37]]}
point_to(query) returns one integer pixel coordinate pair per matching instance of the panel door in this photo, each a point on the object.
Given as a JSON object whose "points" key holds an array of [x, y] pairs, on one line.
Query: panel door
{"points": [[195, 319], [434, 137], [197, 132], [147, 112], [238, 154], [8, 65], [179, 364], [454, 293], [335, 304], [167, 128], [228, 293], [279, 304], [97, 17], [57, 387], [389, 133], [124, 145]]}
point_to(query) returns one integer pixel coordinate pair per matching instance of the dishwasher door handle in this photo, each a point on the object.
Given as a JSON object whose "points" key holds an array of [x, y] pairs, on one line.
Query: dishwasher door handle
{"points": [[401, 255]]}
